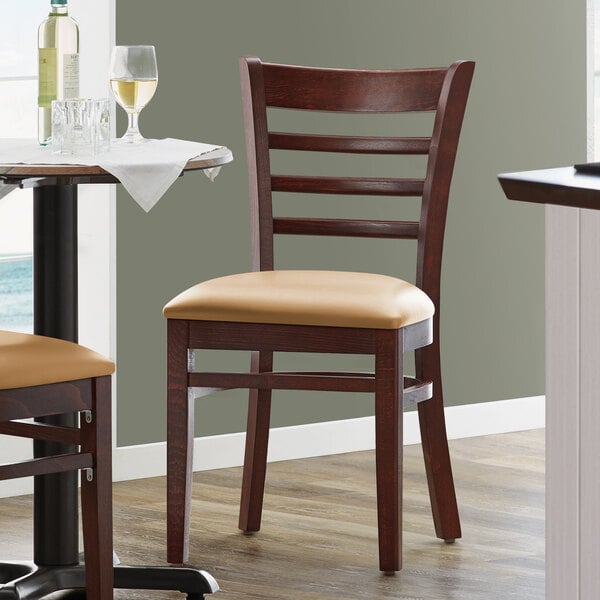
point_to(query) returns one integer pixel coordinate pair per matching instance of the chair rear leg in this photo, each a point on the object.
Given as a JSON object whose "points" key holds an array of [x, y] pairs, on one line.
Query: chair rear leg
{"points": [[435, 446], [257, 442], [96, 495], [180, 439], [388, 447]]}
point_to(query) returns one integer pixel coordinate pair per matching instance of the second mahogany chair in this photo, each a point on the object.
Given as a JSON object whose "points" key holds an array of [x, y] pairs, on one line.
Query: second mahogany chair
{"points": [[44, 377], [270, 310]]}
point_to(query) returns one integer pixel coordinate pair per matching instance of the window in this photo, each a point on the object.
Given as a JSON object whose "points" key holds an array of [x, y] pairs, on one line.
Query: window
{"points": [[18, 118]]}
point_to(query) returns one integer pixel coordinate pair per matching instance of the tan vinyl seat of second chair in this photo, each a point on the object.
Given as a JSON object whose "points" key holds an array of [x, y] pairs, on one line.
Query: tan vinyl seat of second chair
{"points": [[41, 377], [269, 310], [30, 360]]}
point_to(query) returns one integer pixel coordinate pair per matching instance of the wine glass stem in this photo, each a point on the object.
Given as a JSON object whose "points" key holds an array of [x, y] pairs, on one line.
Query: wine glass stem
{"points": [[133, 133]]}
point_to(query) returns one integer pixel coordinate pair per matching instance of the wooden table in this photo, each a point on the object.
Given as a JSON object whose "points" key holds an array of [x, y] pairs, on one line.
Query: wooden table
{"points": [[56, 550], [572, 374], [562, 186]]}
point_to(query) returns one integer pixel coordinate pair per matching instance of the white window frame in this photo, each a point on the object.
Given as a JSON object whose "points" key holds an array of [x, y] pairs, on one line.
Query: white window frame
{"points": [[97, 203]]}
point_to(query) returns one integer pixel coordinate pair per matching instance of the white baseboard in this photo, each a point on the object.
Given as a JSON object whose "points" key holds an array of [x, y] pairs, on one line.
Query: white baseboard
{"points": [[319, 439], [332, 437]]}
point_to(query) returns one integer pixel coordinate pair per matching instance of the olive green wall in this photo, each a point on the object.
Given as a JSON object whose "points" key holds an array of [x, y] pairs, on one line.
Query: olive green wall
{"points": [[526, 110]]}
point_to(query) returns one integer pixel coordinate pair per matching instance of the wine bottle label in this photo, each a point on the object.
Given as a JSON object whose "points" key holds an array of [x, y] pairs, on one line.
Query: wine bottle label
{"points": [[47, 77], [70, 75]]}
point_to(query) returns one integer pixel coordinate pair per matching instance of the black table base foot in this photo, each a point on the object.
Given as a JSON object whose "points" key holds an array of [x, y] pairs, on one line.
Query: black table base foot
{"points": [[26, 581]]}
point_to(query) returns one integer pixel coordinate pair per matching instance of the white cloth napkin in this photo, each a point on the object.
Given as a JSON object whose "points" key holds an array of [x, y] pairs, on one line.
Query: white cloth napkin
{"points": [[146, 170]]}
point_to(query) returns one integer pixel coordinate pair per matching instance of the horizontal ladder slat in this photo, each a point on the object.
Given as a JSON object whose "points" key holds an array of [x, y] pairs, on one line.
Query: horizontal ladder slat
{"points": [[351, 144], [49, 464], [41, 431], [404, 230], [367, 186]]}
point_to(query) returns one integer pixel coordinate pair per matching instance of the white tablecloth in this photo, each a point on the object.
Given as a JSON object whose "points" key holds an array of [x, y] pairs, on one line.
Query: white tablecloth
{"points": [[146, 170]]}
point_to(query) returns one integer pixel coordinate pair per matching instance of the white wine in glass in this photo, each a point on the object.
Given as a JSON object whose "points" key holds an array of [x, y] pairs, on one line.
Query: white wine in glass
{"points": [[133, 81]]}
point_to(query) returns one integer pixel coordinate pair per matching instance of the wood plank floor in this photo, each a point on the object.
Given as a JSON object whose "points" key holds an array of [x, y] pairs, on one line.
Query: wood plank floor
{"points": [[319, 538]]}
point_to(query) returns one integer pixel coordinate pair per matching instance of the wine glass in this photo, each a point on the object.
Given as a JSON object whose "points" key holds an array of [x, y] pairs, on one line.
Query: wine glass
{"points": [[133, 81]]}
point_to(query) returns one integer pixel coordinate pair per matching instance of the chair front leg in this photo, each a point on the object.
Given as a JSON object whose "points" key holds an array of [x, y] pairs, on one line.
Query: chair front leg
{"points": [[388, 447], [257, 442], [96, 495], [180, 440]]}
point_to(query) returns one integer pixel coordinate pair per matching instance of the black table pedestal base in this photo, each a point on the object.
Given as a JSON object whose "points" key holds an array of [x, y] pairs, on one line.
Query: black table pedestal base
{"points": [[26, 581]]}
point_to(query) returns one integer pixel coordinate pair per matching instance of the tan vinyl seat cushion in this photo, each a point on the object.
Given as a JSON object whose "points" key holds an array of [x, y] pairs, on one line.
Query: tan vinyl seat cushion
{"points": [[28, 360], [329, 298]]}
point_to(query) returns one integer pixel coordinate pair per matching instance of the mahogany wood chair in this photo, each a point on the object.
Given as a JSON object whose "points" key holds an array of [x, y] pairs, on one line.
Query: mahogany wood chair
{"points": [[42, 377], [271, 310]]}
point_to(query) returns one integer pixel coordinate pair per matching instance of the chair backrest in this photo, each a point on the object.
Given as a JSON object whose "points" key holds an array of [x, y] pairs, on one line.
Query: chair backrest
{"points": [[443, 90]]}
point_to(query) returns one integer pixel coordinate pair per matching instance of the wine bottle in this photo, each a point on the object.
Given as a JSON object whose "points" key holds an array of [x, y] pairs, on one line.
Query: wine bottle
{"points": [[58, 60]]}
